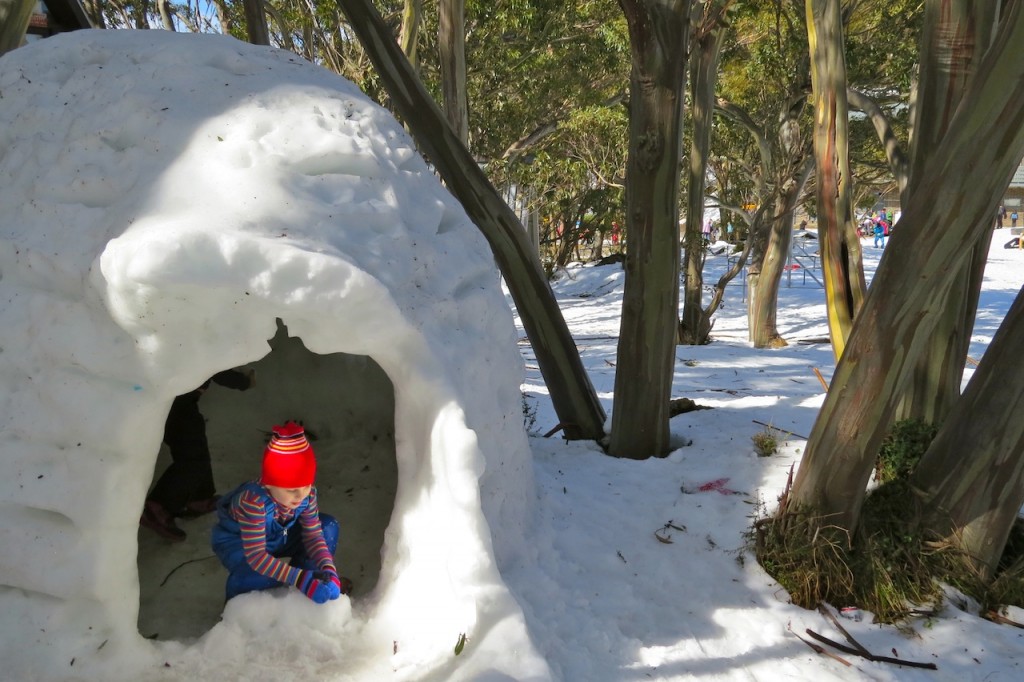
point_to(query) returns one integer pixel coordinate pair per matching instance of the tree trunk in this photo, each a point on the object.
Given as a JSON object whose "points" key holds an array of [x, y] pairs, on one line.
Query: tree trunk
{"points": [[568, 240], [956, 35], [94, 11], [934, 387], [718, 294], [451, 40], [695, 323], [139, 13], [895, 155], [837, 232], [942, 222], [972, 476], [166, 15], [658, 31], [764, 275], [224, 16], [256, 22], [412, 16], [14, 18], [572, 394], [768, 240]]}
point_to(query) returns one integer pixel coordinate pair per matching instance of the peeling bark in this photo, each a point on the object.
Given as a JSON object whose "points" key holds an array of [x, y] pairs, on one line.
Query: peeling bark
{"points": [[942, 221]]}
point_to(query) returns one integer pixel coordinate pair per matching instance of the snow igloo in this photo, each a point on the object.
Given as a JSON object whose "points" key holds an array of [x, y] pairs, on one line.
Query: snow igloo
{"points": [[175, 205]]}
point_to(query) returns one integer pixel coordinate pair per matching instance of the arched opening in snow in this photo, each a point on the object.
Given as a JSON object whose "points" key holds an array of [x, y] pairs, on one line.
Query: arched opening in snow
{"points": [[347, 404]]}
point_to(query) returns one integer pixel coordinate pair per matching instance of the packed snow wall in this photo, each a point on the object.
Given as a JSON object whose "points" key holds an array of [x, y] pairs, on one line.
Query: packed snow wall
{"points": [[166, 199]]}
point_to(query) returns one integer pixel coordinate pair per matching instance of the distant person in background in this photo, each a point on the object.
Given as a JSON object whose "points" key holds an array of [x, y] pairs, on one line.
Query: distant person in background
{"points": [[879, 230], [706, 232], [186, 488], [1013, 219]]}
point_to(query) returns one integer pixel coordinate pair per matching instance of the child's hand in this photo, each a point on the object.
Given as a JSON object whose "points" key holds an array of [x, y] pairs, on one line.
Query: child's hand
{"points": [[343, 583], [318, 586]]}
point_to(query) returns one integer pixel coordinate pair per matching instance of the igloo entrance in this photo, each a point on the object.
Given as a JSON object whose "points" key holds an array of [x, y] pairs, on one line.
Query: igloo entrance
{"points": [[347, 405]]}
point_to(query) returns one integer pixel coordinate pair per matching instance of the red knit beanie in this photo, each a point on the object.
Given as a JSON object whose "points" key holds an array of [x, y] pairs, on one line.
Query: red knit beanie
{"points": [[288, 460]]}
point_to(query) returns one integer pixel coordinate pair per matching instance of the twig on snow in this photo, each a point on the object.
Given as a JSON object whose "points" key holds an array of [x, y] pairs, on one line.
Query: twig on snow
{"points": [[184, 563], [772, 426], [857, 649], [819, 649]]}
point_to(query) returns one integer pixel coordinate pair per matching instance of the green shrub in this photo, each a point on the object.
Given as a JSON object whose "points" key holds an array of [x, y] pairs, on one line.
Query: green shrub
{"points": [[765, 442], [902, 449]]}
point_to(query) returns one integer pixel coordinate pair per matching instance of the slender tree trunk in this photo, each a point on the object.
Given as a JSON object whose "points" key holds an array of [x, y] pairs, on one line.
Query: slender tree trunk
{"points": [[14, 18], [256, 22], [412, 17], [572, 394], [956, 35], [695, 324], [166, 15], [451, 41], [658, 32], [974, 499], [140, 14], [765, 273], [898, 162], [942, 222], [837, 232], [285, 32], [568, 241], [767, 238], [223, 16]]}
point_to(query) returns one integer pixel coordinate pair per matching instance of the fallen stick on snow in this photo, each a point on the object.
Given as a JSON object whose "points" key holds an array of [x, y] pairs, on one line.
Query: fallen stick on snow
{"points": [[558, 427], [857, 649], [820, 649], [824, 385], [997, 617], [823, 610], [772, 426], [870, 656]]}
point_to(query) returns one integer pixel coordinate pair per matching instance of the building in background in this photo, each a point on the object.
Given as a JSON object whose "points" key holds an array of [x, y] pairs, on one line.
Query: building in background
{"points": [[51, 17]]}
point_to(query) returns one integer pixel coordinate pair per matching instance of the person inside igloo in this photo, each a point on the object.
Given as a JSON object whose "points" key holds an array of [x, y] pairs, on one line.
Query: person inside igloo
{"points": [[252, 539]]}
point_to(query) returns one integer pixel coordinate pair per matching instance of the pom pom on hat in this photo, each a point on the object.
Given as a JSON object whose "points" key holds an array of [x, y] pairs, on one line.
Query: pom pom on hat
{"points": [[288, 460]]}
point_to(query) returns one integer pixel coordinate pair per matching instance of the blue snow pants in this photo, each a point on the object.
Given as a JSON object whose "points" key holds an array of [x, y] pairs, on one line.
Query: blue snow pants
{"points": [[242, 578]]}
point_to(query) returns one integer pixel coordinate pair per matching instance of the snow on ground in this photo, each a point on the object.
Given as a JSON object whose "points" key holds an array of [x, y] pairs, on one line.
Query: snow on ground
{"points": [[620, 570], [608, 600]]}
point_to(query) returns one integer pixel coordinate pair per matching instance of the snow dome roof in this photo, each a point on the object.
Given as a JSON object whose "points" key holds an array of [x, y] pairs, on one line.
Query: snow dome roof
{"points": [[166, 199]]}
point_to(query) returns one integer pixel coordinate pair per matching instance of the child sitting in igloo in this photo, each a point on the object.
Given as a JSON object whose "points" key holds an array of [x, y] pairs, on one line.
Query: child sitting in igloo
{"points": [[270, 532]]}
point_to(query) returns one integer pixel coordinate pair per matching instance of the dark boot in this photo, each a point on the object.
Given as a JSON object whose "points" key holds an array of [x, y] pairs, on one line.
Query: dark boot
{"points": [[197, 508], [157, 519]]}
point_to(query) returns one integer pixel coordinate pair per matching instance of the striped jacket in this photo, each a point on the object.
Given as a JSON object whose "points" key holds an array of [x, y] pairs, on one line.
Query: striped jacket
{"points": [[250, 530]]}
